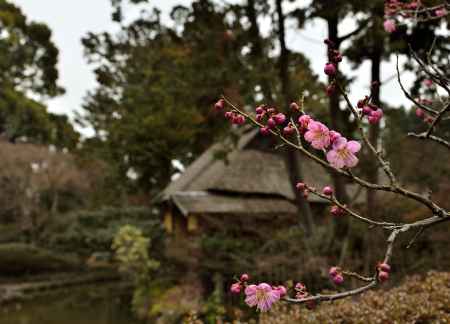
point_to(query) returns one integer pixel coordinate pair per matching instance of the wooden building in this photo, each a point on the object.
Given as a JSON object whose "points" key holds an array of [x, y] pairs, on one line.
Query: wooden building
{"points": [[246, 184]]}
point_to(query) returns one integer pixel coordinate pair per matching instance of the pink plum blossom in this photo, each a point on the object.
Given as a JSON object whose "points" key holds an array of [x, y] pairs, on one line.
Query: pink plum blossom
{"points": [[343, 153], [304, 120], [389, 26], [441, 12], [318, 135], [262, 296], [282, 291], [428, 82]]}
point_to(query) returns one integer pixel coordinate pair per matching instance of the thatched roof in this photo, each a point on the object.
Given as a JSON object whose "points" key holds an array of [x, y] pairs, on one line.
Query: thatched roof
{"points": [[247, 180], [212, 203]]}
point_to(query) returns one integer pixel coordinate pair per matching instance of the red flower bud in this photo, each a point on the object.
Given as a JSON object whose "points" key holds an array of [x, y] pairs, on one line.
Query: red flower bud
{"points": [[260, 110], [383, 276], [244, 277], [327, 191], [294, 106], [219, 105], [336, 211], [338, 279], [330, 89], [384, 267], [300, 186], [264, 131], [271, 123], [235, 288], [420, 113], [330, 69], [279, 118], [334, 271], [288, 130]]}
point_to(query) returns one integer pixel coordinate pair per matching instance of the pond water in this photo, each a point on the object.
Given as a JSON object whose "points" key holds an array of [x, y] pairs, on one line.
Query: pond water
{"points": [[93, 304]]}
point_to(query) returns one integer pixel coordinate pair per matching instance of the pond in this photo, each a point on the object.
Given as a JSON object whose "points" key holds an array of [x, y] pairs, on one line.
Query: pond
{"points": [[91, 304]]}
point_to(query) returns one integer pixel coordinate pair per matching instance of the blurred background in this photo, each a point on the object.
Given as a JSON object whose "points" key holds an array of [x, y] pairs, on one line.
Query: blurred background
{"points": [[126, 198]]}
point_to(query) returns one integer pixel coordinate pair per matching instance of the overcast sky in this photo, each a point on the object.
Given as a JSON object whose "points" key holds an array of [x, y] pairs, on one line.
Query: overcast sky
{"points": [[71, 20]]}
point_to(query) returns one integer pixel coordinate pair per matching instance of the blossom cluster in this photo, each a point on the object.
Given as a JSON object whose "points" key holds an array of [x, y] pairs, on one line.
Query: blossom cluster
{"points": [[370, 110], [394, 8], [383, 271], [262, 295]]}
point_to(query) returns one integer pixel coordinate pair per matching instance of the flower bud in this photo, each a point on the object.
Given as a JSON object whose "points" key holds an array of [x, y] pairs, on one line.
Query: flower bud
{"points": [[294, 106], [299, 286], [304, 120], [238, 120], [389, 26], [330, 89], [300, 186], [420, 113], [271, 123], [384, 267], [336, 211], [281, 290], [330, 69], [383, 276], [338, 279], [244, 277], [333, 272], [219, 105], [334, 136], [279, 118], [366, 110], [228, 115], [260, 110], [264, 131], [288, 130], [327, 191], [235, 288]]}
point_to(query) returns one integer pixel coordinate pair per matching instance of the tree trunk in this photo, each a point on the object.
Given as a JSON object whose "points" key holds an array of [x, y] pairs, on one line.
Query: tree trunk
{"points": [[257, 52], [293, 158]]}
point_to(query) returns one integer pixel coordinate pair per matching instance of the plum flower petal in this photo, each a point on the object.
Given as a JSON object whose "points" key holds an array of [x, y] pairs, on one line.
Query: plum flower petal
{"points": [[262, 296], [353, 146], [441, 12], [332, 157], [343, 153], [389, 26], [318, 135]]}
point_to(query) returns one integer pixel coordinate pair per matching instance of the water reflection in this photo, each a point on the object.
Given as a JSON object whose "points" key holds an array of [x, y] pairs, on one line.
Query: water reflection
{"points": [[93, 304]]}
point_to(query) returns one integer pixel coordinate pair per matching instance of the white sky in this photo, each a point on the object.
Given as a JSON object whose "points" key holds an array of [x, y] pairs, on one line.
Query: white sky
{"points": [[70, 20]]}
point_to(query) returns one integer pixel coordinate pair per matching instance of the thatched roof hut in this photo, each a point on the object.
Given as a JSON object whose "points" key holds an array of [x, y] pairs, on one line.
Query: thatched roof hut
{"points": [[251, 179]]}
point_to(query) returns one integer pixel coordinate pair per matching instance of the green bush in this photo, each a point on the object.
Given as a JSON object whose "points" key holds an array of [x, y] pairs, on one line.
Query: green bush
{"points": [[88, 231]]}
